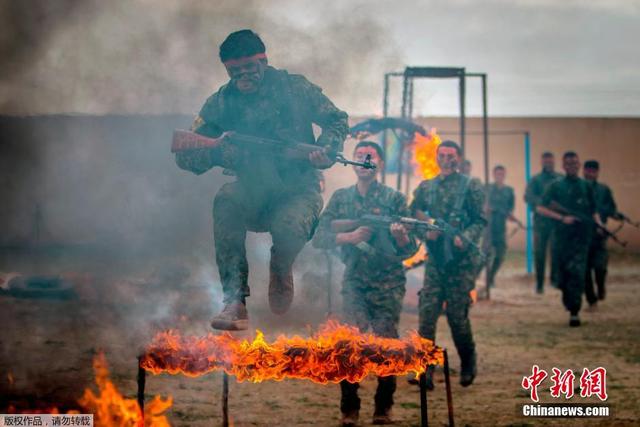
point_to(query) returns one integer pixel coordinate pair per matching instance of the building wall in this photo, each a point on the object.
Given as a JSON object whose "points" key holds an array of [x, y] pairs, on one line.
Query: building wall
{"points": [[112, 178]]}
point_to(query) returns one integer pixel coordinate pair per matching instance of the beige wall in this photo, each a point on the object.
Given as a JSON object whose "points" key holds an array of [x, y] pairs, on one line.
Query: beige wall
{"points": [[615, 142]]}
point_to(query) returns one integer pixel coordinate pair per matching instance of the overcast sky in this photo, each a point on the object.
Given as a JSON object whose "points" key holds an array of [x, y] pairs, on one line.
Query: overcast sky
{"points": [[543, 57]]}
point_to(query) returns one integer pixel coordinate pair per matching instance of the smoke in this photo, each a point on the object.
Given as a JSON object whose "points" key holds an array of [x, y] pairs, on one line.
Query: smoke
{"points": [[143, 56], [104, 193]]}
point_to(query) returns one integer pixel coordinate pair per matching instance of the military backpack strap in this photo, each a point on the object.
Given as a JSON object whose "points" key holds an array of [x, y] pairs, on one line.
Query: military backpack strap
{"points": [[290, 113], [431, 193], [462, 191]]}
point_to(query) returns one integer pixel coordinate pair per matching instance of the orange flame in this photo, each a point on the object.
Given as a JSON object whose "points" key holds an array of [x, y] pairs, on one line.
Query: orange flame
{"points": [[337, 352], [111, 409], [424, 154], [416, 259]]}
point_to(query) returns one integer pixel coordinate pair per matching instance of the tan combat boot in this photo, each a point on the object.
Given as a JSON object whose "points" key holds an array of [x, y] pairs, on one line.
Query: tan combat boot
{"points": [[233, 317], [280, 290]]}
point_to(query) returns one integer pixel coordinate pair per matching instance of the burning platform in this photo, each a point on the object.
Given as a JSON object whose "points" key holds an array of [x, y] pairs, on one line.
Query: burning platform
{"points": [[337, 352]]}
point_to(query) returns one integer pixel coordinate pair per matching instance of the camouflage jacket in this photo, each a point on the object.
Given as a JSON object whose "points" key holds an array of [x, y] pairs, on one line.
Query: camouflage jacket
{"points": [[536, 188], [605, 204], [500, 203], [458, 200], [285, 107], [571, 194], [370, 265]]}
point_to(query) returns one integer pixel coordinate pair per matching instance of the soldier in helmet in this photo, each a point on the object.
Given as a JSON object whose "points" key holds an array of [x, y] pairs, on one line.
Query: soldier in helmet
{"points": [[268, 195]]}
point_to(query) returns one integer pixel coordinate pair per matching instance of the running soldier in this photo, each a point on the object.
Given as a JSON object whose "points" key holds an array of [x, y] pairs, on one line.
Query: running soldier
{"points": [[373, 285], [459, 201], [543, 227], [571, 203], [499, 208], [598, 254]]}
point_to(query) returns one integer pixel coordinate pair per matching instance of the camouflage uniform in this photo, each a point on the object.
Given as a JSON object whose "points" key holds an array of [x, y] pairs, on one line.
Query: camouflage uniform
{"points": [[269, 194], [373, 285], [543, 227], [501, 201], [458, 200], [598, 254], [572, 241]]}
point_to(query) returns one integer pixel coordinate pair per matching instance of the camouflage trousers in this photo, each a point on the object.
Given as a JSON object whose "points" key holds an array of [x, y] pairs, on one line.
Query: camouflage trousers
{"points": [[452, 287], [598, 260], [572, 258], [496, 249], [290, 218], [543, 229], [369, 305]]}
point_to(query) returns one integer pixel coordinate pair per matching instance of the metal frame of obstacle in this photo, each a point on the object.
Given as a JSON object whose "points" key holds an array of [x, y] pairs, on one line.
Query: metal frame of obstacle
{"points": [[408, 76], [424, 419]]}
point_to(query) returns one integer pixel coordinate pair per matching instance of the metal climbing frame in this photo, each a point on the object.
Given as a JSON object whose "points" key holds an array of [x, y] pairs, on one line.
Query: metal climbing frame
{"points": [[408, 76]]}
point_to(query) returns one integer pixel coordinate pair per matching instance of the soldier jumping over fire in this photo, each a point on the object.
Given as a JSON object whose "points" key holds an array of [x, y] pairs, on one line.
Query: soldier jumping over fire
{"points": [[268, 195]]}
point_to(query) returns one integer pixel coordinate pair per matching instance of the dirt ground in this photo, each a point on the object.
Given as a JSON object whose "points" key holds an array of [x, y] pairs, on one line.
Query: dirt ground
{"points": [[46, 347]]}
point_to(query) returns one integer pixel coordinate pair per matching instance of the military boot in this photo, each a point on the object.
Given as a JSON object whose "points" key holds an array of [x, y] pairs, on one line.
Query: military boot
{"points": [[280, 287], [574, 320], [350, 418], [468, 369], [233, 317], [382, 417]]}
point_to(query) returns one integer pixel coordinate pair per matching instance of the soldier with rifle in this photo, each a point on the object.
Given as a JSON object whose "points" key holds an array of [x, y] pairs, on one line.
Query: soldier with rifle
{"points": [[456, 203], [571, 203], [366, 222], [598, 258], [276, 111], [499, 209], [543, 227]]}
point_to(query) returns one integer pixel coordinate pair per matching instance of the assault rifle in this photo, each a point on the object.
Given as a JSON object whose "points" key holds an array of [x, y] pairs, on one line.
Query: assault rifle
{"points": [[449, 234], [381, 224], [184, 140], [443, 254], [625, 219], [587, 220]]}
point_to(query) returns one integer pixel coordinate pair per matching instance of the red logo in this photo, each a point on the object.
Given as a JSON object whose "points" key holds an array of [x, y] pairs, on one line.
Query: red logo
{"points": [[562, 383], [592, 382], [531, 383]]}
